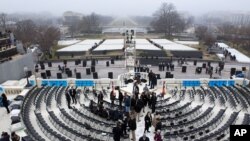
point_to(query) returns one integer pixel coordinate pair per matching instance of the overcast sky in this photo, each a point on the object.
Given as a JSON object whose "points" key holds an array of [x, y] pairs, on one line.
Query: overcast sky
{"points": [[121, 7]]}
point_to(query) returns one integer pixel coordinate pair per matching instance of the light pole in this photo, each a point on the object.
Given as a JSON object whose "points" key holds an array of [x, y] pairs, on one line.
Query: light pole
{"points": [[27, 76]]}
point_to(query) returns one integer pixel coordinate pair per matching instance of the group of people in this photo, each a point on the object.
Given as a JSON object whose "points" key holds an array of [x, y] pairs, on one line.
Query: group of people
{"points": [[6, 137], [152, 79], [133, 107], [71, 95], [169, 66]]}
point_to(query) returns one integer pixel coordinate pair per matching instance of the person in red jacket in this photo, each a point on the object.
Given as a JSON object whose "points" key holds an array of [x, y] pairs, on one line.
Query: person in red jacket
{"points": [[157, 136]]}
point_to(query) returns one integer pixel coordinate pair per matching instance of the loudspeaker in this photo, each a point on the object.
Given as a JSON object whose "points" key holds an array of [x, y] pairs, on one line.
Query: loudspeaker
{"points": [[49, 64], [84, 63], [36, 69], [158, 76], [95, 75], [92, 68], [64, 62], [76, 62], [43, 75], [59, 75], [48, 73], [171, 76], [244, 68], [110, 75], [195, 62], [93, 62], [107, 63], [167, 75], [88, 72], [42, 67], [69, 73], [184, 68], [78, 75], [198, 70], [233, 70], [112, 61], [204, 65]]}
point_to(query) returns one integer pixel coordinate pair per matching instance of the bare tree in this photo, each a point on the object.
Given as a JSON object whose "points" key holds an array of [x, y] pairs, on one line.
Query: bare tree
{"points": [[3, 17], [47, 36], [201, 32], [26, 32], [167, 20], [90, 23]]}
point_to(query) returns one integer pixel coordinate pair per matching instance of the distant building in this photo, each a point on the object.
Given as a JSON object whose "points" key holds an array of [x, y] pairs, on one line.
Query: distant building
{"points": [[7, 46], [70, 17]]}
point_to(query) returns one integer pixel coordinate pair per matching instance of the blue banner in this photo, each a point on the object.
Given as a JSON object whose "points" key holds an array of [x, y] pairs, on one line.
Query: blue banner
{"points": [[231, 83], [217, 83], [32, 82], [84, 83], [57, 83], [190, 83]]}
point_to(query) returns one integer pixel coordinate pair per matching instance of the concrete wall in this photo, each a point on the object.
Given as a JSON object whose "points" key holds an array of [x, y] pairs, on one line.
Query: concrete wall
{"points": [[13, 70]]}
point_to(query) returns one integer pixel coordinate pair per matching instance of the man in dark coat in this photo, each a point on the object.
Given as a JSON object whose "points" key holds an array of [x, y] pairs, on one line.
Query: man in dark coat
{"points": [[153, 102], [120, 97], [139, 105], [136, 90], [144, 138], [5, 102], [72, 93], [133, 102], [132, 126], [148, 122], [150, 74], [154, 81], [99, 97], [117, 132], [68, 99]]}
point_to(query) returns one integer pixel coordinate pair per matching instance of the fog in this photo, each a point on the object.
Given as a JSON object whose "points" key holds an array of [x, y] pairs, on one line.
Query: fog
{"points": [[121, 7]]}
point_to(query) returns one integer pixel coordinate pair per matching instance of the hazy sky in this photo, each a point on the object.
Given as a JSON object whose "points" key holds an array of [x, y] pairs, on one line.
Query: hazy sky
{"points": [[120, 7]]}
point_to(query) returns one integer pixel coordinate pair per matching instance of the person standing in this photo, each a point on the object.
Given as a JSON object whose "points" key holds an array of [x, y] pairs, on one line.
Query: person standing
{"points": [[67, 95], [155, 119], [157, 136], [154, 81], [112, 98], [74, 95], [15, 137], [5, 102], [120, 97], [117, 132], [144, 99], [150, 74], [144, 138], [5, 136], [133, 103], [127, 103], [99, 97], [124, 125], [136, 90], [158, 125], [139, 105], [153, 102], [132, 125], [148, 122]]}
